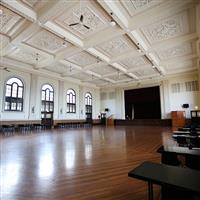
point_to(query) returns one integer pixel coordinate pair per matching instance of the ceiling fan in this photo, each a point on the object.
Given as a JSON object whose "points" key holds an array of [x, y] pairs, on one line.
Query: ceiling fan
{"points": [[80, 22]]}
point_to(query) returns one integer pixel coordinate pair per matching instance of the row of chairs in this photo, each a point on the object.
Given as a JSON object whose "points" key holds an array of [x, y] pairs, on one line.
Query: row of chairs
{"points": [[8, 130], [74, 125]]}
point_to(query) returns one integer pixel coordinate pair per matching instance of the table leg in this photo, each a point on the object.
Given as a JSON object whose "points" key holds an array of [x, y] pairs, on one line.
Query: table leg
{"points": [[150, 190]]}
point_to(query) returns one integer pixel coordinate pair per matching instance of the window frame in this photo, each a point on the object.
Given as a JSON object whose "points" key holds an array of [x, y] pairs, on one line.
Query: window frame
{"points": [[11, 99], [88, 103], [71, 104], [47, 102]]}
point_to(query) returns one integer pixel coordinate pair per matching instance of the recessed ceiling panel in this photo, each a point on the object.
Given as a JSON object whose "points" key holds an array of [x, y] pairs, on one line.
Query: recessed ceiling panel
{"points": [[135, 6], [104, 70], [145, 72], [116, 46], [82, 59], [181, 50], [27, 56], [48, 41], [119, 77], [93, 19], [133, 62], [59, 68], [171, 27], [8, 20]]}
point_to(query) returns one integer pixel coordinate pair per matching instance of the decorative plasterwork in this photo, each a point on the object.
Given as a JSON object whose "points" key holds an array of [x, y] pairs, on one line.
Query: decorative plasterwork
{"points": [[98, 81], [135, 6], [179, 66], [48, 41], [58, 68], [134, 62], [181, 50], [7, 20], [119, 77], [145, 72], [82, 59], [81, 76], [168, 28], [91, 18], [116, 46], [27, 56], [103, 70]]}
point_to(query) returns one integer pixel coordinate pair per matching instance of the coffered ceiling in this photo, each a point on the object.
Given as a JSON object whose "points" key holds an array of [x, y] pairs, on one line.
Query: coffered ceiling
{"points": [[113, 42]]}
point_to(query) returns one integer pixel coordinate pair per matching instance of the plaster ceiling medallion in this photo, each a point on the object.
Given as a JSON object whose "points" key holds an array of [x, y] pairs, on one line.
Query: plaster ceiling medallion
{"points": [[92, 18], [145, 72], [115, 46], [27, 56], [135, 6], [82, 59], [47, 41], [181, 50], [168, 28], [104, 70], [134, 62], [8, 20]]}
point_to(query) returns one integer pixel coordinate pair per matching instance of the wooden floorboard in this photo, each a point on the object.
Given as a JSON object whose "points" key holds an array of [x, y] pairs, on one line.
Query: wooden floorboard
{"points": [[78, 164]]}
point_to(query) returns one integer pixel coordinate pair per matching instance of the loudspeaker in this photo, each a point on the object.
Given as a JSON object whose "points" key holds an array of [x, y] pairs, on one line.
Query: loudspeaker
{"points": [[185, 105], [106, 109]]}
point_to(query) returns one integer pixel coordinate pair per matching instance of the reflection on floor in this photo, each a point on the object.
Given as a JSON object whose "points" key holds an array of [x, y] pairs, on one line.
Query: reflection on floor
{"points": [[82, 164]]}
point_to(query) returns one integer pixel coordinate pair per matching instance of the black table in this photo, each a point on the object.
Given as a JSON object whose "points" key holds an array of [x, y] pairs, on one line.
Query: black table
{"points": [[161, 174]]}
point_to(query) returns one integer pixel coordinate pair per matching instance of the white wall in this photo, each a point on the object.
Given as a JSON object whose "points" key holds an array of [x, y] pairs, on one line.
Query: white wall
{"points": [[32, 97], [169, 101]]}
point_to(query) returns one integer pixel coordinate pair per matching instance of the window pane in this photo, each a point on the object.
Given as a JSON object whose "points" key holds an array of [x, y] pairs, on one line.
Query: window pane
{"points": [[47, 86], [14, 80], [47, 95], [19, 92], [7, 105], [19, 106], [67, 98], [73, 101], [43, 95], [8, 90], [14, 90], [13, 106], [51, 96]]}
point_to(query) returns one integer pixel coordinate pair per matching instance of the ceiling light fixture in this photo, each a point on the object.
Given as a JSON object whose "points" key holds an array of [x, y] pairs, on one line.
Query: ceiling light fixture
{"points": [[153, 66], [1, 12], [138, 48], [112, 22]]}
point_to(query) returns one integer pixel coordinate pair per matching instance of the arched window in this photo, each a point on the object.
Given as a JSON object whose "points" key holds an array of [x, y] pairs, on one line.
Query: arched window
{"points": [[71, 101], [47, 98], [88, 103], [14, 95]]}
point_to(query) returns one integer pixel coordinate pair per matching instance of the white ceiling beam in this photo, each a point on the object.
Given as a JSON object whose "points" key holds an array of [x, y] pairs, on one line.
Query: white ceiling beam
{"points": [[114, 7], [20, 8], [63, 33]]}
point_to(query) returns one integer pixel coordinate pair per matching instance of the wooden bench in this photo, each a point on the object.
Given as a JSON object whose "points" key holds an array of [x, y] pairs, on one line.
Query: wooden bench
{"points": [[176, 177]]}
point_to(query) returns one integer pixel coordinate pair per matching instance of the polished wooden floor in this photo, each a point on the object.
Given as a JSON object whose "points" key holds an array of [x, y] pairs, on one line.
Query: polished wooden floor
{"points": [[78, 164]]}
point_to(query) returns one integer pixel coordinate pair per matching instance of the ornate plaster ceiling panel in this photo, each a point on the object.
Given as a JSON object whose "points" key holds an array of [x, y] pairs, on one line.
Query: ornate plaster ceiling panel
{"points": [[145, 72], [98, 81], [119, 77], [115, 46], [48, 41], [135, 6], [181, 50], [167, 28], [82, 59], [8, 20], [134, 62], [92, 17], [170, 68], [27, 56], [81, 76], [103, 70], [59, 68]]}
